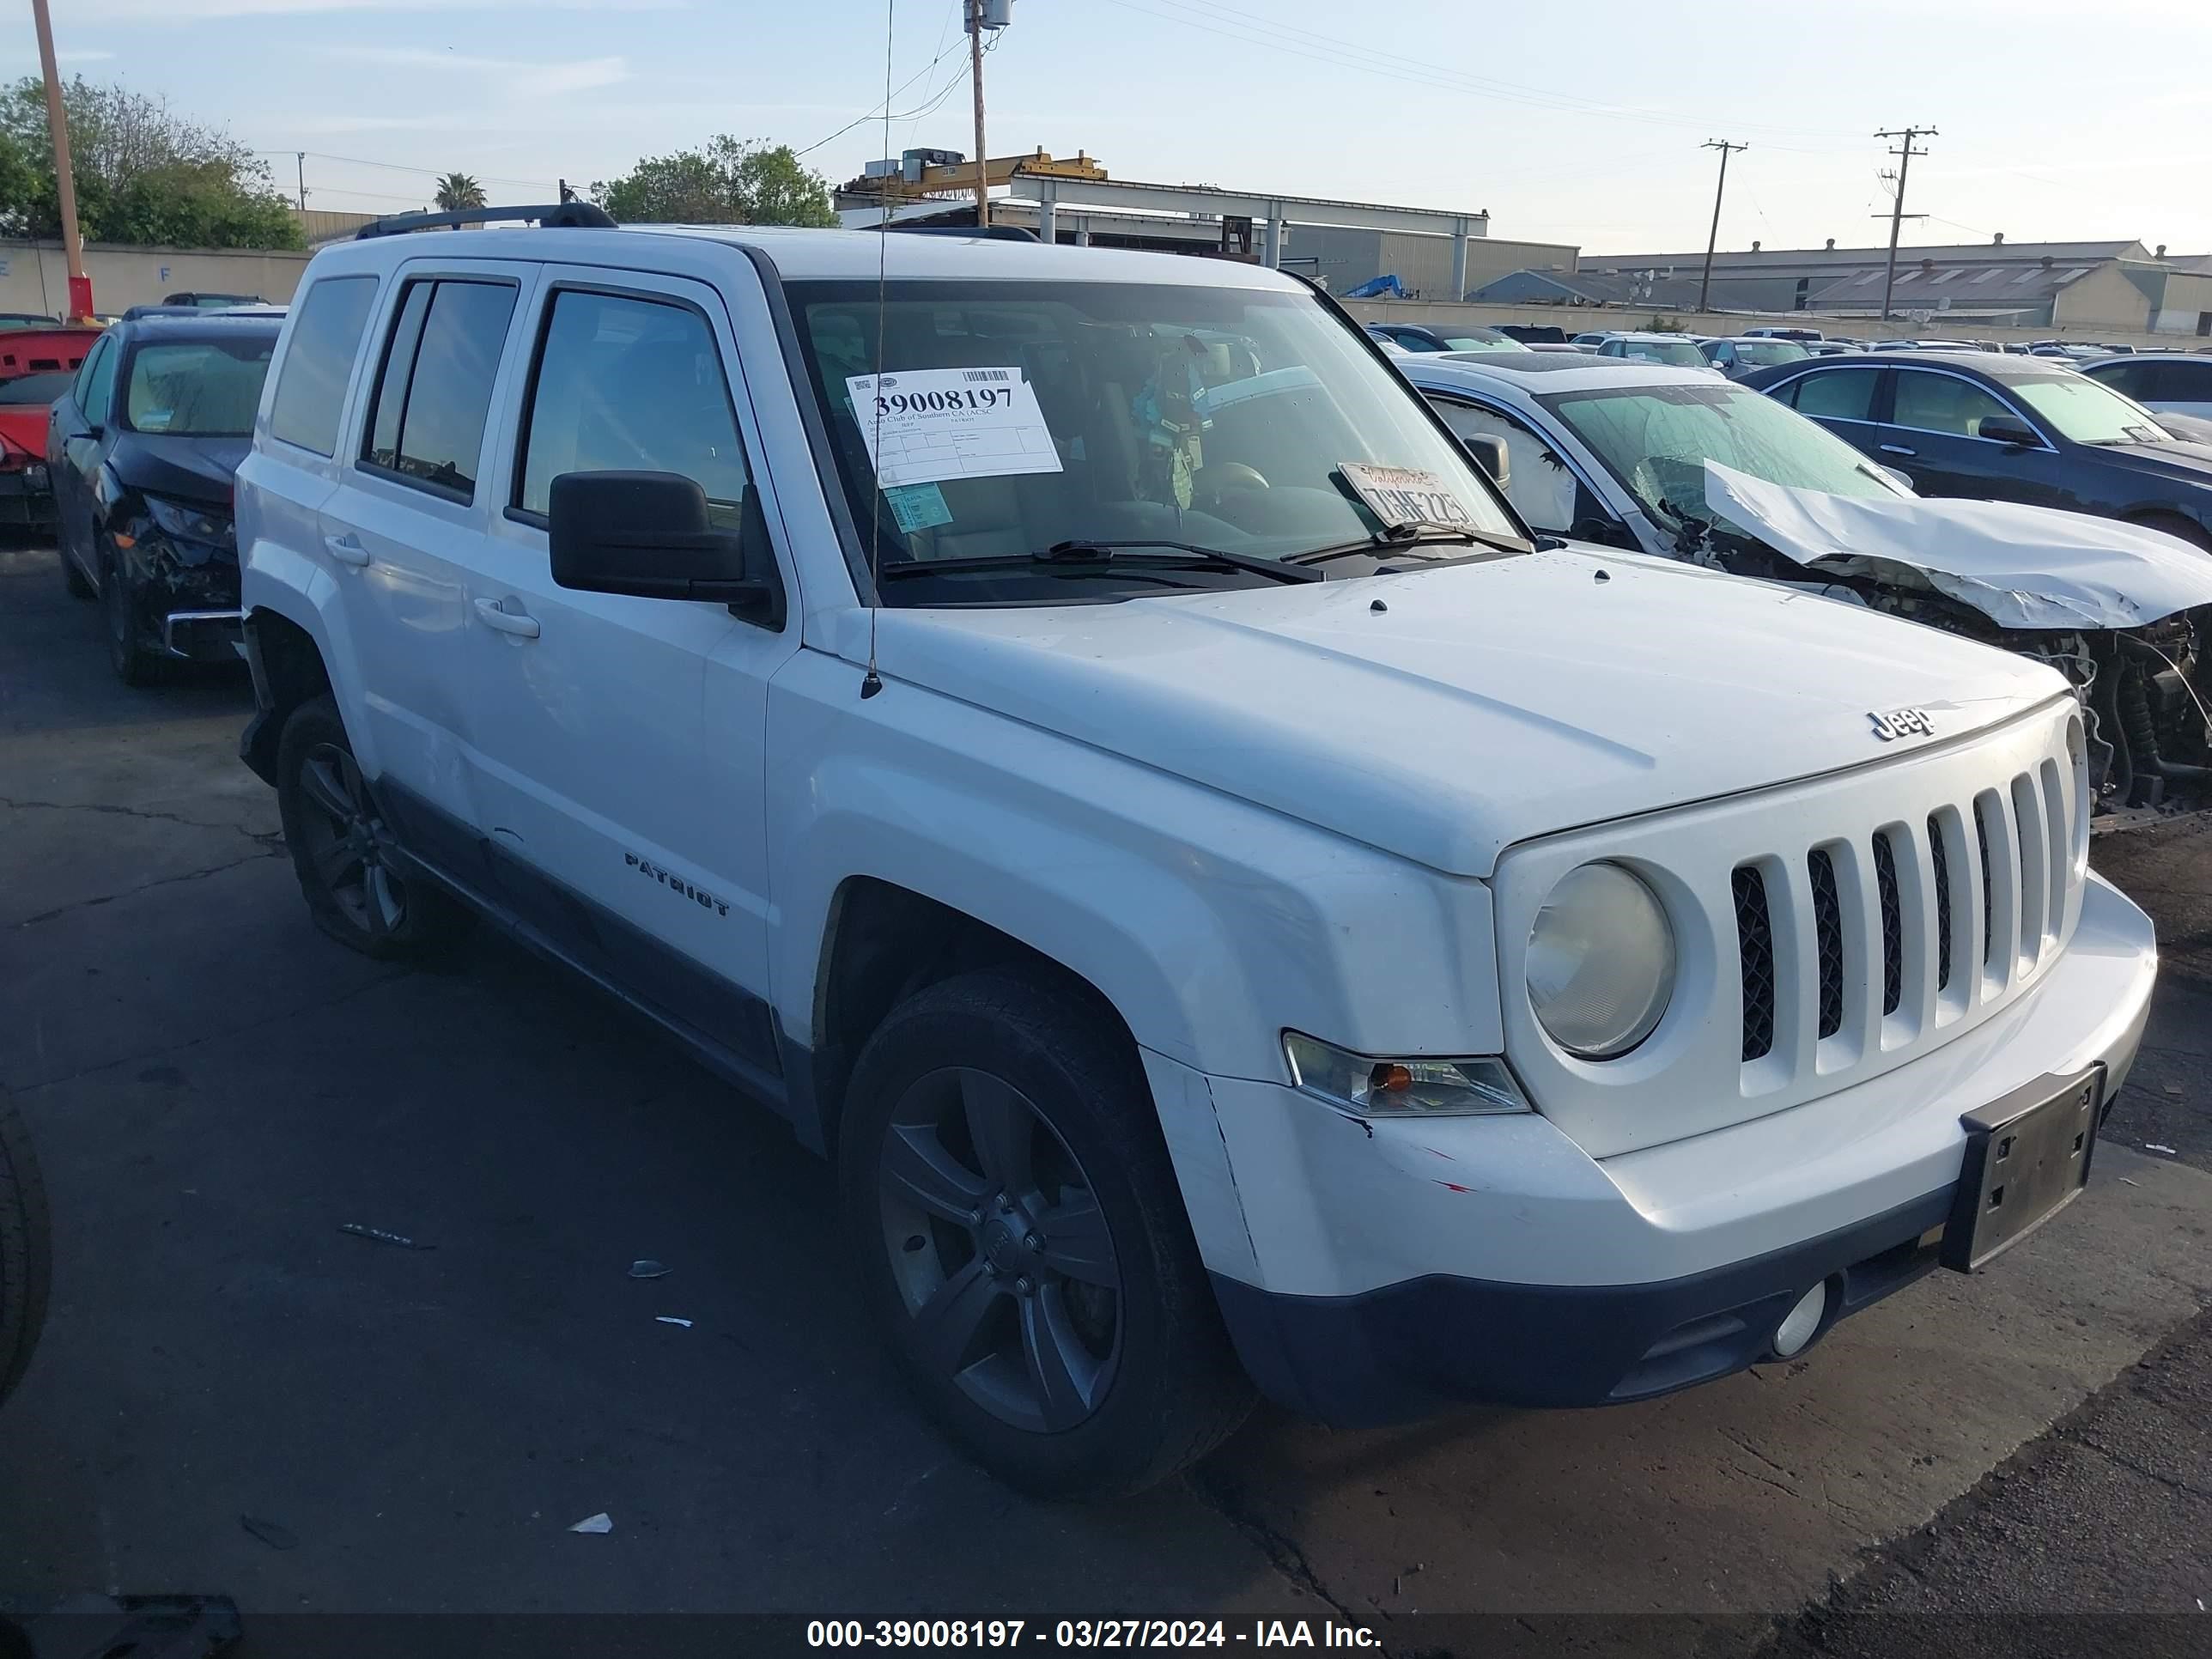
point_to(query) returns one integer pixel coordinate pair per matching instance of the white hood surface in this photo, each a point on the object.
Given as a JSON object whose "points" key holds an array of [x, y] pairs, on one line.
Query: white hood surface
{"points": [[1482, 704], [2029, 567]]}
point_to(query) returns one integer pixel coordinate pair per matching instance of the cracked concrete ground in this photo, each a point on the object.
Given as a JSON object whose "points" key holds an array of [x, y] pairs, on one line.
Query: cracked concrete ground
{"points": [[215, 1089]]}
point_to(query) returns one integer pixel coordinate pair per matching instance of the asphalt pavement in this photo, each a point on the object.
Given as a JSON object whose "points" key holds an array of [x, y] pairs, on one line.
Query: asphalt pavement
{"points": [[216, 1090]]}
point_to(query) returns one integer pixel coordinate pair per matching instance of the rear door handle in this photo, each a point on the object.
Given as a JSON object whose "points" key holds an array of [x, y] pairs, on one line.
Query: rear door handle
{"points": [[1898, 449], [505, 621], [346, 548]]}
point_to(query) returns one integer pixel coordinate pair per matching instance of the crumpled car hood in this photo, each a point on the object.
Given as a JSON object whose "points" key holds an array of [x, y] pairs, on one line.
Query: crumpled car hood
{"points": [[1445, 714], [2029, 567]]}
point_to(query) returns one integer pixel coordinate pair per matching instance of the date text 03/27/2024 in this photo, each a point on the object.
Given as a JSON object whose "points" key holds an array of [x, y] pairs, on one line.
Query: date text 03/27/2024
{"points": [[1086, 1633]]}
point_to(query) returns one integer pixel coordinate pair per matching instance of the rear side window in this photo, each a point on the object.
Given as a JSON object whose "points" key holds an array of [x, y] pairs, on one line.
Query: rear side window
{"points": [[1844, 395], [434, 390], [629, 384], [2181, 383], [311, 386]]}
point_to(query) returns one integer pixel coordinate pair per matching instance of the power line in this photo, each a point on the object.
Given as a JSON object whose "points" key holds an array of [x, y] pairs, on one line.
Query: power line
{"points": [[882, 110], [398, 166]]}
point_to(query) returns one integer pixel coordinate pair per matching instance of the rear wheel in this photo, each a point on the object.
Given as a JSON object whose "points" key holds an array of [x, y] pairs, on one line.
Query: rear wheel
{"points": [[25, 1250], [342, 850], [1020, 1234]]}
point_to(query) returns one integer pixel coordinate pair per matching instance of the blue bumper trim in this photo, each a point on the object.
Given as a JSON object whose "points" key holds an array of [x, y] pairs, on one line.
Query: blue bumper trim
{"points": [[1417, 1348]]}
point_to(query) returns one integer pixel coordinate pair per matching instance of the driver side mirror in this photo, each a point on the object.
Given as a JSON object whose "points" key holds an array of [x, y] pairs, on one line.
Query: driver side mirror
{"points": [[1488, 451], [648, 535], [2009, 429]]}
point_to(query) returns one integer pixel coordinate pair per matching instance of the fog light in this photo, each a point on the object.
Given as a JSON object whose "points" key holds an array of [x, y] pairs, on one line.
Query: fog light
{"points": [[1791, 1335]]}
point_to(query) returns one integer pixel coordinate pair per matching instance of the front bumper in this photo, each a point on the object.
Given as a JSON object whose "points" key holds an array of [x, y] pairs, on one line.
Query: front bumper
{"points": [[26, 497], [1394, 1275], [204, 635]]}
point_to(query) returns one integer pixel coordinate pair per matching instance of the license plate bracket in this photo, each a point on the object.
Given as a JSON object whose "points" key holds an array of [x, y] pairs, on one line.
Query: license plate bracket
{"points": [[2027, 1157]]}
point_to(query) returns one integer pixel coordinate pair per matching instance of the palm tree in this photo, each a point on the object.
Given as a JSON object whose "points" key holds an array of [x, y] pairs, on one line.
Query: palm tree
{"points": [[457, 190]]}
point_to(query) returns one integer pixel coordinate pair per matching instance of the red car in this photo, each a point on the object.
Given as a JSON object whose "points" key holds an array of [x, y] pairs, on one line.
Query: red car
{"points": [[36, 366]]}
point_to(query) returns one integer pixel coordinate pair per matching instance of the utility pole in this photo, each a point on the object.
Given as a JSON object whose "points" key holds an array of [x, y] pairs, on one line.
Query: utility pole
{"points": [[1712, 238], [976, 74], [1896, 207], [301, 157], [80, 286]]}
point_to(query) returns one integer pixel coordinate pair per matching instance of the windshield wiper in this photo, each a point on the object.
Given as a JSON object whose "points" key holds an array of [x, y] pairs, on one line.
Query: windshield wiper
{"points": [[1104, 556], [1416, 533]]}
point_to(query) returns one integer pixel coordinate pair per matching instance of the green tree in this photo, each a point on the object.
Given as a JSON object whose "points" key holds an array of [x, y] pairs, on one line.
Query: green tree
{"points": [[732, 181], [457, 190], [144, 173]]}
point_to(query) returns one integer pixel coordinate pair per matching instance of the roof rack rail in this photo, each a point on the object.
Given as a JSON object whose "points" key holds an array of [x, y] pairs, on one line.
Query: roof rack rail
{"points": [[989, 232], [565, 215]]}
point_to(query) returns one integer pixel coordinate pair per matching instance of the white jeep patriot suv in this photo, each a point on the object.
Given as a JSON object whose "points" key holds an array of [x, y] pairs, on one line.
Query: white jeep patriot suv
{"points": [[1074, 734]]}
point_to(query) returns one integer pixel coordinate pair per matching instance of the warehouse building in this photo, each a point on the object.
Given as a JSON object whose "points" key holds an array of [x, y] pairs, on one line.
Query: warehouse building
{"points": [[2116, 285], [1436, 253]]}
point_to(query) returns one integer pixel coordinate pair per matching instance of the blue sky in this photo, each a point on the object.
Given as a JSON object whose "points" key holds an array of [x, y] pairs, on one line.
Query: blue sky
{"points": [[1578, 124]]}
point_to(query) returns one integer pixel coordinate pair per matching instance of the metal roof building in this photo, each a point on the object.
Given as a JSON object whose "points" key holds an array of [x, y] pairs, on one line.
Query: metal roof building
{"points": [[2108, 284]]}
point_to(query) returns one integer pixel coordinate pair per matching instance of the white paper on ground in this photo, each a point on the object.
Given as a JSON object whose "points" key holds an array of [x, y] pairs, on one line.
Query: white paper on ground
{"points": [[600, 1522], [2022, 566], [925, 425]]}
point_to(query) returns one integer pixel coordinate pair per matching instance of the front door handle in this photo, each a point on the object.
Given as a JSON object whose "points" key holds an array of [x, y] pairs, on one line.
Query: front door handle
{"points": [[346, 548], [1898, 449], [507, 620]]}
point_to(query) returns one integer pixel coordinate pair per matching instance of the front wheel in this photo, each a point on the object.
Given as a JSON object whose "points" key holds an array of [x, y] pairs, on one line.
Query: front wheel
{"points": [[341, 848], [118, 603], [1008, 1197], [25, 1250], [72, 578]]}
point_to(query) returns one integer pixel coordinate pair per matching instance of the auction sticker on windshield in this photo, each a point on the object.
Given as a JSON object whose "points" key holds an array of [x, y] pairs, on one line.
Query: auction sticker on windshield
{"points": [[925, 425], [1405, 494]]}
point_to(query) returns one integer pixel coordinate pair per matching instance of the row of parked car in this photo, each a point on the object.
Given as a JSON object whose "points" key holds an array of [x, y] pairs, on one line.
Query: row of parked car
{"points": [[2180, 380], [39, 356], [1253, 875]]}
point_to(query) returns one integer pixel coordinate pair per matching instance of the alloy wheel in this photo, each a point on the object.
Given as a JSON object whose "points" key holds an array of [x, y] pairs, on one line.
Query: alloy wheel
{"points": [[348, 843], [999, 1250]]}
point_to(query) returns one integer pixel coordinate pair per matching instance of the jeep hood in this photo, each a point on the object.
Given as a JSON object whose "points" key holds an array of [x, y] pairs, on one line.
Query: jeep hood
{"points": [[1443, 715], [2028, 568]]}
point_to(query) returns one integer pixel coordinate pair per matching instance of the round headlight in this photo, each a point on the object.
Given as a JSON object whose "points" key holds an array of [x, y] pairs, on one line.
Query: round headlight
{"points": [[1601, 961]]}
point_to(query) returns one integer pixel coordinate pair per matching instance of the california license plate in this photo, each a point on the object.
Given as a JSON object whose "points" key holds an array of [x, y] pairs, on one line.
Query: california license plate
{"points": [[2027, 1157]]}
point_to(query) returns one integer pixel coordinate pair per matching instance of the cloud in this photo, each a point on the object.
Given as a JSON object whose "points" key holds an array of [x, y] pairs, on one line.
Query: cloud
{"points": [[514, 75]]}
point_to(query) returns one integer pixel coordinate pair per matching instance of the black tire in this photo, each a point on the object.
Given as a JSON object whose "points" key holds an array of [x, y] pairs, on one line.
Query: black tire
{"points": [[124, 654], [341, 847], [26, 1250], [1146, 1381], [72, 578]]}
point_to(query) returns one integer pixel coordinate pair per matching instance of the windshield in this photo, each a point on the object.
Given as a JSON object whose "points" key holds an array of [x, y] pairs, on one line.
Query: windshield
{"points": [[196, 388], [1656, 439], [1680, 353], [1763, 352], [1019, 416], [2088, 411], [1483, 342]]}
